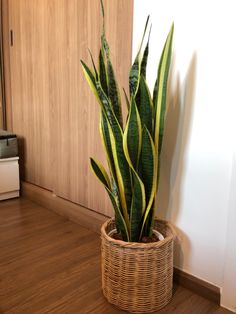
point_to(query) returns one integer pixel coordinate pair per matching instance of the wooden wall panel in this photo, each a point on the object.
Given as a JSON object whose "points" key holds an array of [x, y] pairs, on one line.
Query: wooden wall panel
{"points": [[76, 109], [1, 71], [30, 87], [53, 108], [1, 105], [6, 61]]}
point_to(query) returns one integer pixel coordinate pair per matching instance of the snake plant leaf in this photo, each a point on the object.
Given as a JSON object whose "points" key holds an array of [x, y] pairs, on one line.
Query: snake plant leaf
{"points": [[103, 72], [121, 165], [102, 9], [134, 74], [132, 139], [149, 224], [104, 42], [122, 172], [110, 160], [93, 63], [106, 105], [108, 149], [121, 224], [146, 105], [137, 206], [148, 160], [134, 77], [103, 127], [113, 92], [99, 93], [161, 82], [105, 45], [145, 56], [105, 136], [91, 79], [100, 172], [108, 110], [112, 86], [115, 192]]}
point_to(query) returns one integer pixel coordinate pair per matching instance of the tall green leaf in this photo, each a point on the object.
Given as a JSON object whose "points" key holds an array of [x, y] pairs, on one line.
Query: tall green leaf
{"points": [[134, 77], [105, 45], [103, 11], [145, 56], [116, 138], [104, 131], [137, 206], [142, 72], [146, 105], [104, 42], [119, 218], [133, 136], [134, 74], [148, 162], [91, 79], [113, 92], [161, 90], [103, 72], [122, 173], [112, 85], [94, 67], [149, 224], [115, 192], [105, 136], [121, 165], [101, 174]]}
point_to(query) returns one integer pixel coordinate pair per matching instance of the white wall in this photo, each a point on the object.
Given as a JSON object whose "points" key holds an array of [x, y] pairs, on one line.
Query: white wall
{"points": [[229, 280], [197, 154]]}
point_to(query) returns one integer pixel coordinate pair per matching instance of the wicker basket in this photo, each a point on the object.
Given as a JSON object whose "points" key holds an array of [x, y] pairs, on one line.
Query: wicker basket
{"points": [[137, 277]]}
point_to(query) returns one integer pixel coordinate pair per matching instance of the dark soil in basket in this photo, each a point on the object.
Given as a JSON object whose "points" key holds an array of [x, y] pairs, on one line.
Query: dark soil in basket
{"points": [[153, 238]]}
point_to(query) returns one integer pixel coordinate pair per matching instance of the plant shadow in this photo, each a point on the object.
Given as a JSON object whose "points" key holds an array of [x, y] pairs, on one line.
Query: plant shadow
{"points": [[173, 158]]}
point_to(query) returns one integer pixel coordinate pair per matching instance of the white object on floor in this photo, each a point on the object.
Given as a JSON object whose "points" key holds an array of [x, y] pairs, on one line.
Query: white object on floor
{"points": [[9, 178]]}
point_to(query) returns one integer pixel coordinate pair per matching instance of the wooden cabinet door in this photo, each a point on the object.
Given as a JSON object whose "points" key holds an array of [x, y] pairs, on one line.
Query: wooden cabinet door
{"points": [[30, 87], [53, 109]]}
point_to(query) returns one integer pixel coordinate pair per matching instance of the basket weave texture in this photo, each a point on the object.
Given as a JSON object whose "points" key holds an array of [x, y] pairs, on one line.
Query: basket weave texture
{"points": [[137, 277]]}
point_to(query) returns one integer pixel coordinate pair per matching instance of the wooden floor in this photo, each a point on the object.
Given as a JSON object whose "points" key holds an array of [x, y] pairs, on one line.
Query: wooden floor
{"points": [[51, 265]]}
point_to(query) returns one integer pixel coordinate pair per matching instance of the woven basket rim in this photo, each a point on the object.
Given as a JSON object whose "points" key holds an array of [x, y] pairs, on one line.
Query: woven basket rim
{"points": [[138, 244]]}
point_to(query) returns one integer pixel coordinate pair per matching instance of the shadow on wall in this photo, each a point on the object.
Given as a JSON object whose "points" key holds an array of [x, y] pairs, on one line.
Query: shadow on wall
{"points": [[22, 150], [177, 128]]}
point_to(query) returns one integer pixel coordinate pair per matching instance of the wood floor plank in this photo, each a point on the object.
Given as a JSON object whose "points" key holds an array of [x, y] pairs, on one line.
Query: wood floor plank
{"points": [[51, 265]]}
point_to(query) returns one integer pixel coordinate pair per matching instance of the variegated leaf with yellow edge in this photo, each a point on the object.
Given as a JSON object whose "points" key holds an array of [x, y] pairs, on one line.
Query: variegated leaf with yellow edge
{"points": [[148, 164], [101, 174], [133, 136]]}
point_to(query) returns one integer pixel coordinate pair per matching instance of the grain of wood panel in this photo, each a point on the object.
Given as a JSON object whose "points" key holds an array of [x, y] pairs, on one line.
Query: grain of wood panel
{"points": [[1, 110], [31, 118], [1, 68], [53, 109], [51, 265], [6, 61]]}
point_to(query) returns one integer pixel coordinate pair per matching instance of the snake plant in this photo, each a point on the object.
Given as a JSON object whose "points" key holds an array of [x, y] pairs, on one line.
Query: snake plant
{"points": [[132, 148]]}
